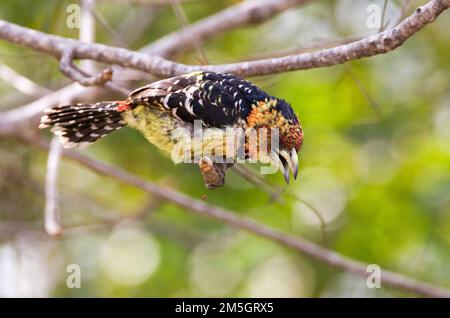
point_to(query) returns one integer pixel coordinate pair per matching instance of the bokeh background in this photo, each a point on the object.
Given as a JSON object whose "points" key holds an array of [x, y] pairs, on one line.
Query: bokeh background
{"points": [[375, 164]]}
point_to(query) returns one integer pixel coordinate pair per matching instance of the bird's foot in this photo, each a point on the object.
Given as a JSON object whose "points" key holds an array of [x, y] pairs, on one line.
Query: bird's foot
{"points": [[213, 173]]}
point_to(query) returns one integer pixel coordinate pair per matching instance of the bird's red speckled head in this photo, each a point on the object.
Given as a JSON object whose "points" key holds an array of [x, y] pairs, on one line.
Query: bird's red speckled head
{"points": [[291, 137], [278, 114]]}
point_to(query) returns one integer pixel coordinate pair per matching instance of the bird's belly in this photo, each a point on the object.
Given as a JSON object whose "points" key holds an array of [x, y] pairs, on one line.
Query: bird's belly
{"points": [[218, 144], [157, 126], [179, 139]]}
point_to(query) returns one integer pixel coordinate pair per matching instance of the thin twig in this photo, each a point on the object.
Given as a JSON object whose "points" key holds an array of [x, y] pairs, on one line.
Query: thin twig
{"points": [[248, 174], [372, 102], [52, 225], [404, 9], [133, 25], [117, 39], [21, 83], [87, 31], [238, 15], [310, 47], [182, 17], [276, 193], [383, 14]]}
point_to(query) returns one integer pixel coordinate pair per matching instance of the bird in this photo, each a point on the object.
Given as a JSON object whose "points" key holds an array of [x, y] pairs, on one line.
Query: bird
{"points": [[213, 101]]}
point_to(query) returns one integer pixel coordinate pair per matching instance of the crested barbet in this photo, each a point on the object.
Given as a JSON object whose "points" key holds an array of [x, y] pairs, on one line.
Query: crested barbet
{"points": [[217, 101]]}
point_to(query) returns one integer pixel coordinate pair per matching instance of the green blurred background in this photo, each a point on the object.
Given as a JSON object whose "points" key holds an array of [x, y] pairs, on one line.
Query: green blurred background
{"points": [[375, 164]]}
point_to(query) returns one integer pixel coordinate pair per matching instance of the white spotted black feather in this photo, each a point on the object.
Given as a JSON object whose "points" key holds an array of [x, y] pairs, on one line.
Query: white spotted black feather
{"points": [[81, 124], [218, 99]]}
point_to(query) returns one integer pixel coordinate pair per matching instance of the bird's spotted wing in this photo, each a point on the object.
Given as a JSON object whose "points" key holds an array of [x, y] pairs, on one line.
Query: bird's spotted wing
{"points": [[216, 99]]}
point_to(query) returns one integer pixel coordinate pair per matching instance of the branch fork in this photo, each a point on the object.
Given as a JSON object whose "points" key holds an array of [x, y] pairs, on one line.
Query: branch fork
{"points": [[69, 69]]}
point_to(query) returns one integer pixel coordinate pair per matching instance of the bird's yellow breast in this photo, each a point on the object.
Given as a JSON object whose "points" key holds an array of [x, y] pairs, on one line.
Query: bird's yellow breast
{"points": [[176, 138], [156, 125]]}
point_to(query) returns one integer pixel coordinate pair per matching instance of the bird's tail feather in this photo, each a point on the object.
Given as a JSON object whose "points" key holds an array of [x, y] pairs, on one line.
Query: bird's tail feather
{"points": [[82, 124]]}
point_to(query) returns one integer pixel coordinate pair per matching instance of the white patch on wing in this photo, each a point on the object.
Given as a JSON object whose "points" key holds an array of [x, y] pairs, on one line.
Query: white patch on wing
{"points": [[189, 97], [166, 101]]}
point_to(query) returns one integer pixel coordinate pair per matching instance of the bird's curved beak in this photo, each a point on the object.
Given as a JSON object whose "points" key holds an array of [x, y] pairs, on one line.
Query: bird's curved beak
{"points": [[289, 161]]}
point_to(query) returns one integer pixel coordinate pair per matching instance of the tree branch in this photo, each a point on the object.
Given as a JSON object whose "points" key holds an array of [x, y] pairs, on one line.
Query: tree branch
{"points": [[300, 244], [380, 43]]}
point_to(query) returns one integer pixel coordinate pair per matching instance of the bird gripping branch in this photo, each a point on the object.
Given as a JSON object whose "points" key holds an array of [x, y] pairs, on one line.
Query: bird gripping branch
{"points": [[217, 101]]}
